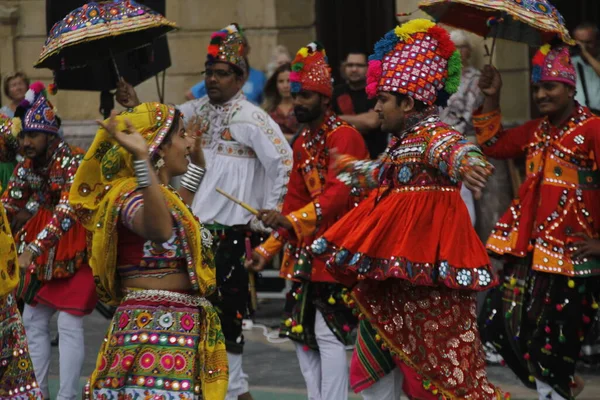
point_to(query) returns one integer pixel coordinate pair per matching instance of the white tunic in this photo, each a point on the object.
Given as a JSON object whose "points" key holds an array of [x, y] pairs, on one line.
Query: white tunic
{"points": [[246, 155]]}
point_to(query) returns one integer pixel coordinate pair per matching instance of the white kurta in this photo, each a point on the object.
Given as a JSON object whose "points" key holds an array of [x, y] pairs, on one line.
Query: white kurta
{"points": [[246, 155]]}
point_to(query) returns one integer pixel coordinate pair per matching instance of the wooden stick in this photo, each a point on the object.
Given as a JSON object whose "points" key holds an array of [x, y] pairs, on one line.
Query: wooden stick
{"points": [[251, 278], [239, 202]]}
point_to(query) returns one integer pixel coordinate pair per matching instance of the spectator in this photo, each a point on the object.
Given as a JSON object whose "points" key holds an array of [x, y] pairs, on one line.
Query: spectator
{"points": [[351, 103], [253, 88], [279, 103], [15, 86], [587, 66], [468, 97], [279, 56]]}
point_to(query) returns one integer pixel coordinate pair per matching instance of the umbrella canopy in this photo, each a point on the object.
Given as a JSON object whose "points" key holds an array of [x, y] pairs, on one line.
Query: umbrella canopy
{"points": [[98, 30], [534, 22]]}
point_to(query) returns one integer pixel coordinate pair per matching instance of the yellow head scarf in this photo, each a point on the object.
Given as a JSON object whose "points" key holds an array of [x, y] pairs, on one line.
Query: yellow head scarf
{"points": [[104, 180]]}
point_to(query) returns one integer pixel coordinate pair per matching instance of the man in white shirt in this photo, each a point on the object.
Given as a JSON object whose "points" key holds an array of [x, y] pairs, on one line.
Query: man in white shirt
{"points": [[246, 156], [587, 66]]}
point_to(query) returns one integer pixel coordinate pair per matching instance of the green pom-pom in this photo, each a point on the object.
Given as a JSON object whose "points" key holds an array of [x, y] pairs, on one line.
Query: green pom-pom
{"points": [[454, 73], [297, 67]]}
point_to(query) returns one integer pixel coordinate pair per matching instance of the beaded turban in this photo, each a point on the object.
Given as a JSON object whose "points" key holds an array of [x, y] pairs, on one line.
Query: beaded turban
{"points": [[228, 45], [417, 59], [36, 112], [553, 64], [310, 71]]}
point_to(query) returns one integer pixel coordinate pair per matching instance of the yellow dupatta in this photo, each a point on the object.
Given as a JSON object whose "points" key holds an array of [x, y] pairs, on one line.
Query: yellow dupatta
{"points": [[103, 182], [9, 265]]}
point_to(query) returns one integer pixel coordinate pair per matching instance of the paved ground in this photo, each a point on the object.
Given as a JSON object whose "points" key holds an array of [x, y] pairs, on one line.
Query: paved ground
{"points": [[273, 369]]}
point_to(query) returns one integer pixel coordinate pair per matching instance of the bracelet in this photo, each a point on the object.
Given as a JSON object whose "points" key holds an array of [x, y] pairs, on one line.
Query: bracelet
{"points": [[142, 173], [192, 179]]}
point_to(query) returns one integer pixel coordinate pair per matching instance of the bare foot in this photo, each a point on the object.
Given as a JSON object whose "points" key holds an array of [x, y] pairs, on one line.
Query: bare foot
{"points": [[579, 385]]}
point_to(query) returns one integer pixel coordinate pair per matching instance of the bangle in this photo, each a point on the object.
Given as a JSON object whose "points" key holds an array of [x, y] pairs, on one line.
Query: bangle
{"points": [[192, 179], [142, 173]]}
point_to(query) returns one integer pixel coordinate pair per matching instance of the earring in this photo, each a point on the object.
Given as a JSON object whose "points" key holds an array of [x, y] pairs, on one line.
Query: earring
{"points": [[159, 164]]}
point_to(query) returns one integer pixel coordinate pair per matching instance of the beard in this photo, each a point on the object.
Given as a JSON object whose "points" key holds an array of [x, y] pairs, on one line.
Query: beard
{"points": [[304, 115]]}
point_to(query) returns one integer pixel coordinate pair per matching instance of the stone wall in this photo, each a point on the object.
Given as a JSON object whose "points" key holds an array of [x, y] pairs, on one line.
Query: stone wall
{"points": [[267, 24]]}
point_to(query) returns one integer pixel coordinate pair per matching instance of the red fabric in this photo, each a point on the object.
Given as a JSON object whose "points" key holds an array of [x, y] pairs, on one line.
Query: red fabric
{"points": [[334, 198], [345, 105], [70, 250], [75, 295], [553, 164], [412, 384], [421, 227]]}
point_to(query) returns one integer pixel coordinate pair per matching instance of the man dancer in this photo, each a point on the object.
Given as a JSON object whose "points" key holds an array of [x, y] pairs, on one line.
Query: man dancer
{"points": [[538, 319], [51, 245], [246, 156], [316, 317], [409, 248]]}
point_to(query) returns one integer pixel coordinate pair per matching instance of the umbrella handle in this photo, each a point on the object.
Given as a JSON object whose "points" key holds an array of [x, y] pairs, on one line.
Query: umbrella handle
{"points": [[493, 47], [112, 57]]}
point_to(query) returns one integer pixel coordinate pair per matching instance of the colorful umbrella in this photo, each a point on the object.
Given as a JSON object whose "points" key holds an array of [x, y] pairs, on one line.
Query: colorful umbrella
{"points": [[98, 30], [534, 22]]}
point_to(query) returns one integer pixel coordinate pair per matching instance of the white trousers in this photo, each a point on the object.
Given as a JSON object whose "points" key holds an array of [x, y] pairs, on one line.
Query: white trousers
{"points": [[71, 349], [325, 371], [238, 380], [546, 392], [387, 388]]}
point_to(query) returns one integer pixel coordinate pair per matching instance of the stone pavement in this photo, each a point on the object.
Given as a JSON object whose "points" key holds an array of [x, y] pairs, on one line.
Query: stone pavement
{"points": [[273, 369]]}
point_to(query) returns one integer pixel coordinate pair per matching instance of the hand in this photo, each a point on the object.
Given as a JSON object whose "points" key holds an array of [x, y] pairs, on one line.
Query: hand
{"points": [[256, 263], [584, 51], [490, 81], [25, 259], [588, 247], [334, 159], [197, 127], [131, 140], [274, 219], [19, 220], [126, 95], [475, 180]]}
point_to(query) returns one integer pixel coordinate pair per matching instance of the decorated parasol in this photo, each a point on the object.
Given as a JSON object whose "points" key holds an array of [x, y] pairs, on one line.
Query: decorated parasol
{"points": [[99, 30], [534, 22]]}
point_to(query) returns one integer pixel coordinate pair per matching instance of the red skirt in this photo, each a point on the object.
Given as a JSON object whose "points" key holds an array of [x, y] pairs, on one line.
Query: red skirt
{"points": [[425, 237], [63, 279]]}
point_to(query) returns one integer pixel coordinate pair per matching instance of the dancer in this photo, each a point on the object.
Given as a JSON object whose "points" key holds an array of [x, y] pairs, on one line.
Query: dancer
{"points": [[51, 243], [316, 317], [17, 381], [248, 157], [538, 319], [410, 245], [152, 258]]}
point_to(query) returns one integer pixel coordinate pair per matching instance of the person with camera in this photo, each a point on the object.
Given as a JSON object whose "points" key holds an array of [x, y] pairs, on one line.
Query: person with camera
{"points": [[586, 59]]}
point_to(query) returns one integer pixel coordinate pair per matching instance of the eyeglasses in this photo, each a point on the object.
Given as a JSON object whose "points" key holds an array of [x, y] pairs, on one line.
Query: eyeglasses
{"points": [[355, 65], [219, 73]]}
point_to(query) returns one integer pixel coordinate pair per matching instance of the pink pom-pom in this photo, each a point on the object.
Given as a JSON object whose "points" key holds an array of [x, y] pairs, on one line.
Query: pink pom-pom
{"points": [[375, 70], [295, 76], [371, 89], [218, 35], [37, 86]]}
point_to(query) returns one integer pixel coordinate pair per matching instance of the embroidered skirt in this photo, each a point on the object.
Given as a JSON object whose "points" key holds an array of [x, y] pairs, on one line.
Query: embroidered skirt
{"points": [[163, 345], [17, 380], [433, 331]]}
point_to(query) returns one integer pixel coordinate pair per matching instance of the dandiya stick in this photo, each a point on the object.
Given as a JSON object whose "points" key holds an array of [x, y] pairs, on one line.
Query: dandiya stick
{"points": [[237, 201], [251, 278]]}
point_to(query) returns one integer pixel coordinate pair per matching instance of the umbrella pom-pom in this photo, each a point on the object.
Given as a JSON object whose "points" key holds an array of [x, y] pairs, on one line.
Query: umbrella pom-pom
{"points": [[52, 89]]}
